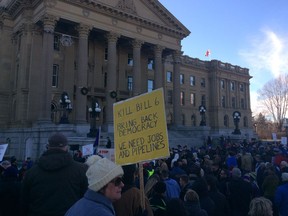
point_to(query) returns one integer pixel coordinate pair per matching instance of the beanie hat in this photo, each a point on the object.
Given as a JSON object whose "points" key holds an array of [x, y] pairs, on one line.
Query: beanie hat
{"points": [[57, 140], [101, 171]]}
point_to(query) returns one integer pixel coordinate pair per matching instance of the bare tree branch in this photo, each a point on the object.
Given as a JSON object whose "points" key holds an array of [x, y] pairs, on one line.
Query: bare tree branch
{"points": [[274, 97]]}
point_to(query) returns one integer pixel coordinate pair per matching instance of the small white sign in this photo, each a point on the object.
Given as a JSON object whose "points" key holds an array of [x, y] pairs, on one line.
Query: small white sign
{"points": [[284, 141], [87, 150], [274, 136], [107, 153], [3, 148]]}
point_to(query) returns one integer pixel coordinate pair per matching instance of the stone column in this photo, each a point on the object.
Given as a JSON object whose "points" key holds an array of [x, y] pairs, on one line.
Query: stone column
{"points": [[158, 72], [176, 88], [137, 78], [81, 100], [247, 96], [23, 76], [49, 23], [111, 78]]}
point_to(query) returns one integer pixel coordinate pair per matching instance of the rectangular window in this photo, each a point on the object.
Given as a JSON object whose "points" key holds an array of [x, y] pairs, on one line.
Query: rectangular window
{"points": [[106, 54], [130, 59], [223, 104], [192, 99], [182, 98], [192, 80], [233, 102], [169, 76], [170, 96], [203, 100], [130, 83], [232, 86], [55, 75], [222, 84], [181, 79], [241, 87], [150, 85], [150, 64], [203, 82], [56, 42]]}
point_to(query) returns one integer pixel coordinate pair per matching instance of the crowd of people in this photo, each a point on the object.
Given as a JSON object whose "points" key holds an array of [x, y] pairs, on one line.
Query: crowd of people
{"points": [[227, 179]]}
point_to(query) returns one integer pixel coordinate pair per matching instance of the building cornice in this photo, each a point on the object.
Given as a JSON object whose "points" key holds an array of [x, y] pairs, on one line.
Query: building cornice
{"points": [[175, 28], [172, 26]]}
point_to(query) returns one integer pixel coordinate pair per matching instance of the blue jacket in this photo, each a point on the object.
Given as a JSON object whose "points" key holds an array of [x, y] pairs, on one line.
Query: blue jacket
{"points": [[281, 199], [92, 204], [172, 189]]}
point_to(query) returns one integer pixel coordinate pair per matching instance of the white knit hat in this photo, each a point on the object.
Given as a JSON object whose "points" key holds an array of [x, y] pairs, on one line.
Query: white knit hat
{"points": [[101, 171]]}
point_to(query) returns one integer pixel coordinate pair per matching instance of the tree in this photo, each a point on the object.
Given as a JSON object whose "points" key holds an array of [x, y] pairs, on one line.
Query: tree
{"points": [[263, 126], [274, 97]]}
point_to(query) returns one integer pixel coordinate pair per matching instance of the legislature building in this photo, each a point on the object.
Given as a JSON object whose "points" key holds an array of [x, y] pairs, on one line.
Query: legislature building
{"points": [[64, 63]]}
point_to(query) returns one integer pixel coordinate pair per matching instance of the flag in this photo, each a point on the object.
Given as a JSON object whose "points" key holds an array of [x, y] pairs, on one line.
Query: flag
{"points": [[97, 140], [207, 53]]}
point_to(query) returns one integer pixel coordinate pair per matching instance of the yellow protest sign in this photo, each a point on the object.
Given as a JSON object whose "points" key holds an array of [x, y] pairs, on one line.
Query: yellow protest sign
{"points": [[140, 130]]}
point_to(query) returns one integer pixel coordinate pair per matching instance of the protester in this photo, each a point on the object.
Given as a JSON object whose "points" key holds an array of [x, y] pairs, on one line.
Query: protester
{"points": [[172, 186], [9, 190], [175, 206], [55, 183], [192, 204], [105, 186], [281, 196], [200, 186], [185, 185], [221, 203], [109, 143], [260, 206], [240, 194], [158, 200], [130, 202]]}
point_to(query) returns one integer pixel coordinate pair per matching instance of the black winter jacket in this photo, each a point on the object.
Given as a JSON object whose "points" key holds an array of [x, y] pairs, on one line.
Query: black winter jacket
{"points": [[53, 185]]}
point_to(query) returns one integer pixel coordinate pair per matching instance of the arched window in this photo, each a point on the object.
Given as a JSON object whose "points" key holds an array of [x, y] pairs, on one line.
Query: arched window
{"points": [[226, 121], [193, 120]]}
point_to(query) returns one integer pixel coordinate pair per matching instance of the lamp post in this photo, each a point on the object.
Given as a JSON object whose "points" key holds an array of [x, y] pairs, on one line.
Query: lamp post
{"points": [[94, 111], [236, 117], [202, 110], [66, 106]]}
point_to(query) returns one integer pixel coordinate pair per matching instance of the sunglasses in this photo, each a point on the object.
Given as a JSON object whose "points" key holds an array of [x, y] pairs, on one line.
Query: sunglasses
{"points": [[117, 181]]}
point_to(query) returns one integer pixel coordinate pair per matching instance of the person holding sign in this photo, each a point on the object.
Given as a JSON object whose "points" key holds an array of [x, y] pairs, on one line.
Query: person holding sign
{"points": [[105, 186], [130, 202]]}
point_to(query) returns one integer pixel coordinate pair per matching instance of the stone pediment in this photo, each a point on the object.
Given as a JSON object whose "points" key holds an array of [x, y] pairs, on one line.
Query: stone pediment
{"points": [[150, 14], [147, 13]]}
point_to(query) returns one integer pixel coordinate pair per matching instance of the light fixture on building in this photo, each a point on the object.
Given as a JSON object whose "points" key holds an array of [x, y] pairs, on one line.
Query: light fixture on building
{"points": [[202, 110], [66, 106], [94, 111], [66, 40], [236, 117]]}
